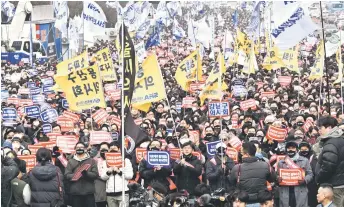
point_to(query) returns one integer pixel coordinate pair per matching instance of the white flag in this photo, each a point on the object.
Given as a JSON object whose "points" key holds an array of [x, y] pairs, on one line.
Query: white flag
{"points": [[62, 13], [140, 51], [8, 9], [143, 29], [94, 21]]}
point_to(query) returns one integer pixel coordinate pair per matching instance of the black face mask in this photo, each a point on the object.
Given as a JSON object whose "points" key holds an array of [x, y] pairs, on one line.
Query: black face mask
{"points": [[304, 153], [208, 136], [291, 153], [102, 153], [250, 135], [169, 125], [248, 123], [113, 151], [80, 151], [154, 149], [300, 123], [273, 108], [221, 151]]}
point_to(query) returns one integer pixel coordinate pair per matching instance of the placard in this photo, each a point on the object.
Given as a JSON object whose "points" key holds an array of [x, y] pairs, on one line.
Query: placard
{"points": [[49, 115], [30, 161], [179, 107], [65, 104], [38, 99], [158, 158], [49, 145], [66, 143], [97, 137], [275, 133], [235, 142], [141, 153], [31, 84], [284, 80], [34, 148], [291, 177], [35, 91], [194, 136], [14, 101], [24, 91], [175, 153], [23, 102], [113, 159], [4, 94], [215, 109], [47, 128], [233, 154], [71, 115], [65, 123], [32, 111], [100, 116], [110, 87], [194, 87], [211, 148], [48, 81], [268, 94], [115, 95], [187, 102], [9, 114], [239, 91], [308, 124], [245, 105], [53, 136], [48, 89]]}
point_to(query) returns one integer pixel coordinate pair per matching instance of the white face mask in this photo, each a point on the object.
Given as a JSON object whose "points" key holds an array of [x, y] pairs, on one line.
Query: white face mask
{"points": [[16, 145]]}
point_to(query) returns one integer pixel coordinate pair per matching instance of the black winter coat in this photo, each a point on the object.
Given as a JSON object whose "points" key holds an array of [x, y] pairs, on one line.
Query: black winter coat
{"points": [[330, 166], [44, 185], [216, 175], [253, 176], [85, 184], [149, 175], [9, 171], [187, 176]]}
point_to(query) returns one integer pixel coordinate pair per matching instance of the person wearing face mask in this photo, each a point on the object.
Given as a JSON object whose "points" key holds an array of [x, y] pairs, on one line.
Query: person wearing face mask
{"points": [[296, 195], [217, 126], [209, 137], [251, 175], [218, 168], [100, 183], [82, 186], [85, 138], [187, 170], [306, 151], [156, 173], [114, 176]]}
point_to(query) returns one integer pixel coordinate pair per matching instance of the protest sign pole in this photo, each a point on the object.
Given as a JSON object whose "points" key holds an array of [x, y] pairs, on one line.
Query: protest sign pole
{"points": [[31, 49], [91, 119], [325, 63], [122, 113], [340, 67]]}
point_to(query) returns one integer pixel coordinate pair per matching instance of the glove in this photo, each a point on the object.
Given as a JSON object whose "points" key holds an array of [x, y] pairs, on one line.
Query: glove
{"points": [[84, 173], [279, 179], [56, 152], [302, 182]]}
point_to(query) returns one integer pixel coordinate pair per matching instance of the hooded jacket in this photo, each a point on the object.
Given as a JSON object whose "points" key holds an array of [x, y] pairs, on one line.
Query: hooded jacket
{"points": [[9, 171], [85, 184], [330, 166], [44, 185]]}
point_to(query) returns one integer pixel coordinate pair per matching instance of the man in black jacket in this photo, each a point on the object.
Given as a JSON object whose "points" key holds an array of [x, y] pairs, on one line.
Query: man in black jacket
{"points": [[218, 168], [330, 166], [82, 186], [188, 169], [251, 175]]}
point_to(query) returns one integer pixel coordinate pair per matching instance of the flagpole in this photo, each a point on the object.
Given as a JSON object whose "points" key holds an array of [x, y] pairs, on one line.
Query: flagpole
{"points": [[325, 63], [319, 98], [122, 113], [340, 67]]}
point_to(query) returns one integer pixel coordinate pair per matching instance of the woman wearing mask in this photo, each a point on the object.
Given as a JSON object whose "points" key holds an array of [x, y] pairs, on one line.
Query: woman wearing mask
{"points": [[114, 177], [100, 183], [81, 172], [46, 181]]}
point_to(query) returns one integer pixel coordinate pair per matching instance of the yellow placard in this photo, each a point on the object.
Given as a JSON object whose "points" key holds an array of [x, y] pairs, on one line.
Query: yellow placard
{"points": [[105, 65]]}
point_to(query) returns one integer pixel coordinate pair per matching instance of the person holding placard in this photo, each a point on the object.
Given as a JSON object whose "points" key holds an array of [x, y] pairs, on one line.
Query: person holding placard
{"points": [[81, 172], [294, 173], [187, 169]]}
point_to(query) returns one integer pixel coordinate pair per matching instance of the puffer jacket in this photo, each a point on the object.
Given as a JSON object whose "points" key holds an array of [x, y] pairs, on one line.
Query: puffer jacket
{"points": [[114, 182], [187, 175], [85, 185], [215, 173], [9, 170], [44, 185], [149, 175], [253, 177], [330, 166]]}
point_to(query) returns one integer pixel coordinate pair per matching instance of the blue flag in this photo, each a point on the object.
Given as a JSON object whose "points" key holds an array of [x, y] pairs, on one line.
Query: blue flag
{"points": [[252, 29], [154, 39], [235, 18]]}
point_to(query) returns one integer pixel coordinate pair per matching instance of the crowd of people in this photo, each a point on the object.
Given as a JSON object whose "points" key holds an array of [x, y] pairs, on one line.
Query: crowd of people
{"points": [[310, 111]]}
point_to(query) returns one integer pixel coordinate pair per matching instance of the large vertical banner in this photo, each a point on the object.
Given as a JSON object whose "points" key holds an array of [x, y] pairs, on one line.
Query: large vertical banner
{"points": [[129, 68]]}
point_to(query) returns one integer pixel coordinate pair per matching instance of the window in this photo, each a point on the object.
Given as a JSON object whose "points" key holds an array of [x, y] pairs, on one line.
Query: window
{"points": [[17, 45], [26, 47]]}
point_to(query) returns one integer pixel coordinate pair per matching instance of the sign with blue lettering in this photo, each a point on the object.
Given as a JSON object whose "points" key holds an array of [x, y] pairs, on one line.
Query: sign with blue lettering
{"points": [[31, 84], [179, 107], [48, 89], [49, 115], [32, 72], [65, 104], [211, 147], [158, 158], [32, 111], [38, 99], [238, 82], [35, 91], [9, 114], [47, 128], [215, 109], [240, 91], [48, 81], [114, 136], [4, 94]]}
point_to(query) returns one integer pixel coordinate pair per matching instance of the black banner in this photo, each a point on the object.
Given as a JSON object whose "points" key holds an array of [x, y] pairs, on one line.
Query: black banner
{"points": [[129, 72]]}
